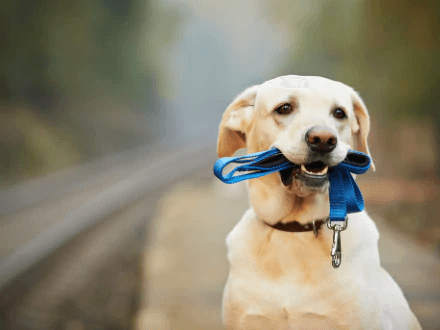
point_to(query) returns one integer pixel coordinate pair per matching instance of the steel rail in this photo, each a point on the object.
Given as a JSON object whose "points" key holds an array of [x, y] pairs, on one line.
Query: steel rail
{"points": [[155, 175]]}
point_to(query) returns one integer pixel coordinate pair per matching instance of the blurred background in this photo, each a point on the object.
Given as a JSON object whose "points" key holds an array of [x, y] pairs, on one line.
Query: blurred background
{"points": [[108, 119]]}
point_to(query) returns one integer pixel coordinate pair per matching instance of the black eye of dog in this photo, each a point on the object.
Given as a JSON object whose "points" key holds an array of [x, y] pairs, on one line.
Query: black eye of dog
{"points": [[284, 109], [339, 113]]}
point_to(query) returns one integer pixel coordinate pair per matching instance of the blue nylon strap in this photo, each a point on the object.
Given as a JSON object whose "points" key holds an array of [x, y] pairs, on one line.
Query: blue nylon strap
{"points": [[345, 196], [251, 164]]}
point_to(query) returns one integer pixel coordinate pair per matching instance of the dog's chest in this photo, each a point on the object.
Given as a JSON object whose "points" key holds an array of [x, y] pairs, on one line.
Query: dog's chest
{"points": [[280, 278], [292, 305]]}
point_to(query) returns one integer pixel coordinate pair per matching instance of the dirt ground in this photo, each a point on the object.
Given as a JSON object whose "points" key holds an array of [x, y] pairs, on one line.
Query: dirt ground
{"points": [[166, 269], [185, 264]]}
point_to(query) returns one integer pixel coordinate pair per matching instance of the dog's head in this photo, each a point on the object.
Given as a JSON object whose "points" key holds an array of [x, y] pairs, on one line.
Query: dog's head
{"points": [[314, 121]]}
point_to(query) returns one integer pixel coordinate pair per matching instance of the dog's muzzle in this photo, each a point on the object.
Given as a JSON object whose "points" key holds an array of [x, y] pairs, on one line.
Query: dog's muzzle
{"points": [[321, 141]]}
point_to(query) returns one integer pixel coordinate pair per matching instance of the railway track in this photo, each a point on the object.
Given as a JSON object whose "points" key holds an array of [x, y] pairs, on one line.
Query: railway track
{"points": [[59, 234]]}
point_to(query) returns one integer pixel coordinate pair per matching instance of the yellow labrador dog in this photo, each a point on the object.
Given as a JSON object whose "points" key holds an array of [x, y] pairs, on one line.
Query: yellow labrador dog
{"points": [[282, 279]]}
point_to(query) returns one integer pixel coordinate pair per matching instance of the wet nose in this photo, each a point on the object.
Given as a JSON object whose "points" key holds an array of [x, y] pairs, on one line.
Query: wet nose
{"points": [[321, 139]]}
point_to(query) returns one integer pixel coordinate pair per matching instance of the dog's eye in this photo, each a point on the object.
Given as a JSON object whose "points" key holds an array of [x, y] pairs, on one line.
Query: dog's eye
{"points": [[339, 113], [284, 109]]}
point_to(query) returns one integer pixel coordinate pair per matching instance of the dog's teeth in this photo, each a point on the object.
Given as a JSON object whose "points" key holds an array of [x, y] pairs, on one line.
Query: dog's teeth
{"points": [[322, 172]]}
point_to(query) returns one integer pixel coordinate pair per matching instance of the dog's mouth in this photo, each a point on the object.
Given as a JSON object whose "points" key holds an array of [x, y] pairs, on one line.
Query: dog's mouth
{"points": [[314, 174]]}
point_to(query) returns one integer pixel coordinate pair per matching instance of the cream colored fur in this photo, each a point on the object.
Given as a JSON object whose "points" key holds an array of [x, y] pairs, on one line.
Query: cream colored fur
{"points": [[282, 280]]}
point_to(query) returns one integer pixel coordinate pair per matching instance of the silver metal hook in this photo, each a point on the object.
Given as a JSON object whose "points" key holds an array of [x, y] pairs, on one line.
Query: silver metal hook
{"points": [[336, 247]]}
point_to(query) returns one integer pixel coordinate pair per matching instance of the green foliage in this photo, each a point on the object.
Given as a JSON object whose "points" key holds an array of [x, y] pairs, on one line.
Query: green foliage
{"points": [[70, 49], [30, 147], [77, 71]]}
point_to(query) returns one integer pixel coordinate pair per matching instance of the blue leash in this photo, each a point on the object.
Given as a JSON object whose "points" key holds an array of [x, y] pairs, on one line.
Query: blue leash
{"points": [[345, 195]]}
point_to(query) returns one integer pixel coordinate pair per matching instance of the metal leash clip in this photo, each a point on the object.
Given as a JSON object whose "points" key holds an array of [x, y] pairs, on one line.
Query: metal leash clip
{"points": [[337, 227]]}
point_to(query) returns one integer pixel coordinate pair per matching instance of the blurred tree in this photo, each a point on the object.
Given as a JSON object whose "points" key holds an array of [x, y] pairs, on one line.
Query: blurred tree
{"points": [[85, 69], [71, 49]]}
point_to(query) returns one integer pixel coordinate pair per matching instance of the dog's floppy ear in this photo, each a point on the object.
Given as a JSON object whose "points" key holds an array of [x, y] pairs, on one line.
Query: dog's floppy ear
{"points": [[237, 116], [361, 127]]}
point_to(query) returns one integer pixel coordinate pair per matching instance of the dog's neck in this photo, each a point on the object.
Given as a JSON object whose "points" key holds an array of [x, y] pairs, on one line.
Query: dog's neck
{"points": [[272, 203]]}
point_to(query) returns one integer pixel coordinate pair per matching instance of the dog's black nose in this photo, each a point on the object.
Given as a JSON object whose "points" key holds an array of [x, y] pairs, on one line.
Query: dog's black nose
{"points": [[321, 139]]}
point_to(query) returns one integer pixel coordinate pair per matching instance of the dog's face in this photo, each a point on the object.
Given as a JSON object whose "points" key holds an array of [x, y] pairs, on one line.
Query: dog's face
{"points": [[314, 121]]}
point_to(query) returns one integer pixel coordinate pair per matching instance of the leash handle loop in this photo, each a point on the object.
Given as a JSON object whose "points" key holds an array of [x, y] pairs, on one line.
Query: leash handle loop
{"points": [[254, 164]]}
